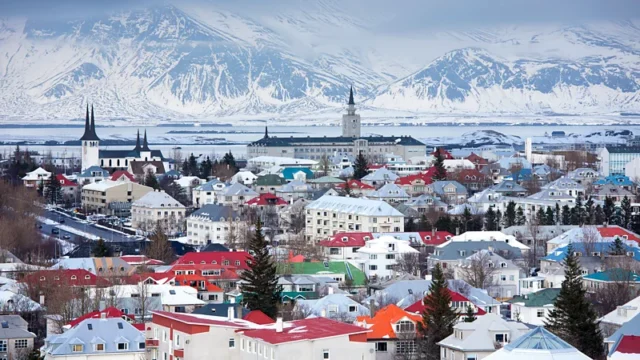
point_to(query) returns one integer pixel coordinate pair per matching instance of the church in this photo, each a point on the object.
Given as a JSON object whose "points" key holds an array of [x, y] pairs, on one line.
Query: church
{"points": [[114, 159], [350, 143]]}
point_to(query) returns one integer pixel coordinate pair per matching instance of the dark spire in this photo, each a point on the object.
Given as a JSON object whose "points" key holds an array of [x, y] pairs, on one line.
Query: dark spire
{"points": [[351, 102], [266, 132], [89, 127], [145, 145], [137, 148]]}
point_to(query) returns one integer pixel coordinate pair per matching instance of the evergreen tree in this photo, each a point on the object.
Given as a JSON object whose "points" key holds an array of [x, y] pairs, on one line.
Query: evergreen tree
{"points": [[424, 224], [490, 220], [520, 219], [444, 223], [566, 215], [599, 217], [540, 216], [261, 290], [360, 167], [205, 168], [466, 218], [151, 181], [558, 213], [53, 190], [193, 166], [550, 217], [498, 220], [174, 190], [101, 249], [470, 316], [229, 160], [625, 207], [589, 211], [438, 164], [609, 208], [510, 214], [573, 318], [578, 214], [185, 167], [438, 317], [617, 247], [410, 225]]}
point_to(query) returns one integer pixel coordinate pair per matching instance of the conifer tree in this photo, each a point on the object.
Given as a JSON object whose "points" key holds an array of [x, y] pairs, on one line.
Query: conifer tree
{"points": [[438, 317], [589, 211], [490, 220], [579, 212], [101, 249], [159, 247], [410, 224], [510, 214], [608, 208], [470, 316], [444, 223], [540, 216], [424, 224], [229, 160], [520, 219], [550, 217], [261, 290], [360, 167], [185, 167], [617, 247], [53, 190], [558, 213], [193, 166], [498, 220], [625, 206], [466, 218], [151, 181], [599, 218], [566, 215], [438, 164], [573, 317]]}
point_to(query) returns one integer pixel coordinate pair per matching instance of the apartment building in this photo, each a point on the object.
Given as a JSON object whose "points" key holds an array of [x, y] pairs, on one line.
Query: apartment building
{"points": [[379, 257], [332, 214], [211, 224], [158, 207], [97, 197]]}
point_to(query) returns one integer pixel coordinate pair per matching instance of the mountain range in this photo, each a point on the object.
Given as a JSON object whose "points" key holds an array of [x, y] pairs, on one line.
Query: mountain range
{"points": [[206, 63]]}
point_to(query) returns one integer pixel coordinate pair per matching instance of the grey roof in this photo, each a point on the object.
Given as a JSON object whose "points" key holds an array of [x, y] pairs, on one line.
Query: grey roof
{"points": [[215, 212], [543, 231], [109, 331], [550, 194], [623, 150], [238, 189], [438, 187], [381, 174], [88, 172], [407, 211], [326, 180], [222, 310], [390, 191], [613, 190], [208, 186], [478, 334], [16, 328], [355, 206], [339, 302], [338, 140], [456, 250], [155, 199], [425, 200], [295, 186], [508, 186]]}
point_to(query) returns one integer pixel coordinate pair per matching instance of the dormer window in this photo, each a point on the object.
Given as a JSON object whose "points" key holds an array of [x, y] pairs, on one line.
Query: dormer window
{"points": [[502, 338], [42, 278], [123, 346], [405, 326], [73, 277], [503, 265], [87, 277]]}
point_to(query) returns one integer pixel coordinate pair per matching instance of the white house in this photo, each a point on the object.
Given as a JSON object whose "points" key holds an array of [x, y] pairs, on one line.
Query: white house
{"points": [[34, 178], [207, 193], [487, 236], [236, 195], [246, 178], [211, 224], [535, 307], [379, 257], [505, 275], [158, 206], [188, 183]]}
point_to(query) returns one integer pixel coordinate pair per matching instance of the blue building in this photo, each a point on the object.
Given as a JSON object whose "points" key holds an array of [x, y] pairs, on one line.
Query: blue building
{"points": [[614, 159]]}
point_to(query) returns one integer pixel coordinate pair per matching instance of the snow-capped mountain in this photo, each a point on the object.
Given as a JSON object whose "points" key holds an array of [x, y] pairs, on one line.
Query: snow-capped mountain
{"points": [[206, 62]]}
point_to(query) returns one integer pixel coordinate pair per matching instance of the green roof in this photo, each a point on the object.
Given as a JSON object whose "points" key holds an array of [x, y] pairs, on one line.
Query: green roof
{"points": [[326, 180], [615, 274], [295, 295], [537, 299], [270, 180], [319, 268]]}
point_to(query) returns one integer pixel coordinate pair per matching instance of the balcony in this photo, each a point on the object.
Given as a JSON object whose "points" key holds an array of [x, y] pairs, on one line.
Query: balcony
{"points": [[152, 343], [179, 353]]}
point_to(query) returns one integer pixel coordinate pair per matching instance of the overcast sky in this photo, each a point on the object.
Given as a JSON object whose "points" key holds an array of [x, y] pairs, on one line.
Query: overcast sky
{"points": [[389, 15]]}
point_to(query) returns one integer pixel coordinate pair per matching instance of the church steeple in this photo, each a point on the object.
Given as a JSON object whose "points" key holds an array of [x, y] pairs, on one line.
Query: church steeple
{"points": [[145, 145], [90, 127], [351, 102], [137, 148], [266, 132]]}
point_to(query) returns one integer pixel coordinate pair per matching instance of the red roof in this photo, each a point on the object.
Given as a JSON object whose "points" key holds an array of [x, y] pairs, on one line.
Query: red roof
{"points": [[418, 307], [376, 167], [233, 258], [258, 317], [447, 155], [409, 179], [612, 231], [119, 173], [64, 182], [67, 277], [267, 199], [347, 239], [110, 312], [629, 344], [435, 239], [477, 159], [194, 320], [305, 329], [356, 185]]}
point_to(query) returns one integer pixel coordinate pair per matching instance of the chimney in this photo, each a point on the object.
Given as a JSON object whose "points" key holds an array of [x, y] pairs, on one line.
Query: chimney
{"points": [[41, 299], [457, 231], [330, 290], [279, 325], [323, 313], [239, 311], [102, 305], [103, 315], [230, 312], [433, 232], [372, 307]]}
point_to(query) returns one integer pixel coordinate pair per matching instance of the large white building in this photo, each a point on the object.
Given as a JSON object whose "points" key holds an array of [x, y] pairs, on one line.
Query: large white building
{"points": [[331, 214], [212, 224], [350, 143], [113, 159], [379, 257], [158, 206]]}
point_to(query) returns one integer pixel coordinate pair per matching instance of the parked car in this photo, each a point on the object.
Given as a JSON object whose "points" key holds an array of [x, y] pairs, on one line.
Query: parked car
{"points": [[55, 231], [66, 237]]}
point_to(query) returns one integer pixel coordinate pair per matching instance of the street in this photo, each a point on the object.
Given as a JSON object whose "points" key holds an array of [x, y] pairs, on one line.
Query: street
{"points": [[81, 227]]}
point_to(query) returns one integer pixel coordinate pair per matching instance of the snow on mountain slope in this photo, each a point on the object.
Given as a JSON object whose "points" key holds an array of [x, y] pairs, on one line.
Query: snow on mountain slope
{"points": [[207, 61]]}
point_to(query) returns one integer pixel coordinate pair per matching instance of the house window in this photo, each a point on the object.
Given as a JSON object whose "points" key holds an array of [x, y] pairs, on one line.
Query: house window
{"points": [[177, 340], [99, 347], [381, 346], [353, 308], [405, 326], [373, 257], [391, 256], [123, 346], [20, 344], [373, 267], [502, 338], [405, 347], [325, 354], [232, 343], [540, 312], [472, 357], [74, 348], [334, 251]]}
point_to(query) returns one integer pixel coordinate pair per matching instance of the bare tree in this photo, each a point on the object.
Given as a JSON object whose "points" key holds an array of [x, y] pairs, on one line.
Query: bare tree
{"points": [[590, 236], [159, 248], [410, 263], [478, 270], [324, 165], [142, 301]]}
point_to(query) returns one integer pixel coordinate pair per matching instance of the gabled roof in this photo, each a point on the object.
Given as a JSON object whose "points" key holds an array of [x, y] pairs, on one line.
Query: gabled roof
{"points": [[381, 324], [356, 185], [326, 180], [410, 179], [289, 172], [456, 250], [64, 182], [138, 167], [300, 330], [270, 180], [354, 206], [239, 190], [267, 199], [438, 187], [67, 277], [110, 331], [120, 173], [215, 212], [478, 335], [390, 191], [509, 186], [628, 344], [158, 199], [347, 239], [89, 172], [418, 307], [110, 312], [541, 298], [218, 257], [381, 174], [209, 185]]}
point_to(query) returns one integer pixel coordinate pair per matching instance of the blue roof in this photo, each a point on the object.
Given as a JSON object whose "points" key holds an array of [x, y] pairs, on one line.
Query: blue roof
{"points": [[539, 339], [208, 186], [522, 175], [559, 254], [288, 173], [619, 180], [615, 274], [93, 169]]}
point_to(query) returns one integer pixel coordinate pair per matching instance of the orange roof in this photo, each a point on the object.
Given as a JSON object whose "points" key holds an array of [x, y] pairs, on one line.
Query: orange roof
{"points": [[381, 325], [258, 317]]}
